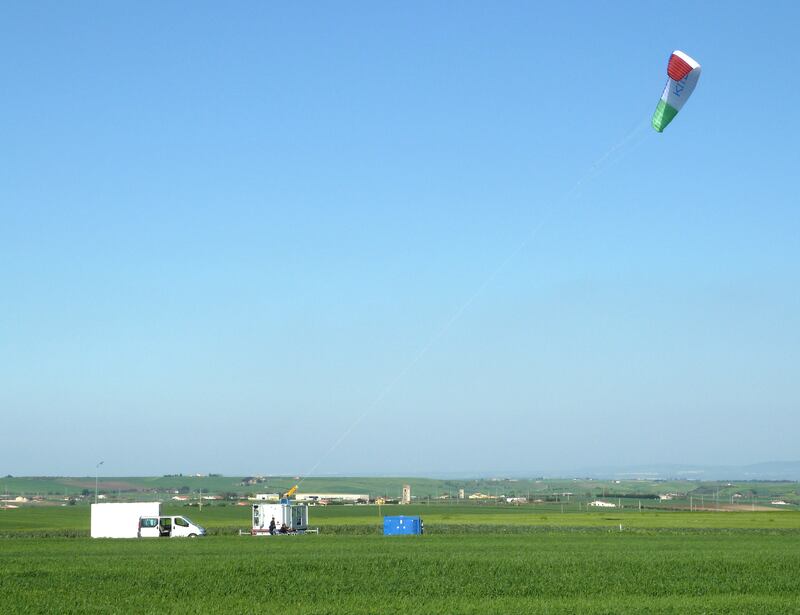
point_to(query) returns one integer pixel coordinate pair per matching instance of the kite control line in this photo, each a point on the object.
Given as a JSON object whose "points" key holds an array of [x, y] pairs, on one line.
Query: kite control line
{"points": [[611, 157]]}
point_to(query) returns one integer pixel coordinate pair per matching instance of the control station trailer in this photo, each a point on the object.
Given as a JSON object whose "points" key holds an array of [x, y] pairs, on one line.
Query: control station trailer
{"points": [[288, 518]]}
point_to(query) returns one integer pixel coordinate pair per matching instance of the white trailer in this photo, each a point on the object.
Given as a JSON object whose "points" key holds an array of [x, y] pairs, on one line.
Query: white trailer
{"points": [[291, 518], [121, 520], [140, 520]]}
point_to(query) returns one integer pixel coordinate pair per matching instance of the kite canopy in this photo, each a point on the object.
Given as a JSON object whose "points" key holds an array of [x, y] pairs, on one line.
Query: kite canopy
{"points": [[683, 73]]}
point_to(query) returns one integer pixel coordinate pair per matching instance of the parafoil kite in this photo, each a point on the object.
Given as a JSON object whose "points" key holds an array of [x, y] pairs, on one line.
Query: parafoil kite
{"points": [[683, 74]]}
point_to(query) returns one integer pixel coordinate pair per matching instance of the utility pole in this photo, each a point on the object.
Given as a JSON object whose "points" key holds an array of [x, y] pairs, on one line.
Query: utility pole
{"points": [[96, 479]]}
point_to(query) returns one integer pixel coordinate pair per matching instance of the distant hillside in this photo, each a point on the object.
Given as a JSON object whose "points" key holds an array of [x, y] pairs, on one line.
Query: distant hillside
{"points": [[644, 481], [768, 471]]}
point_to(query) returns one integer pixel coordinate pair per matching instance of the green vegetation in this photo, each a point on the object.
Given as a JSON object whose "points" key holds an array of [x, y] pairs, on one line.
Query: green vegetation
{"points": [[552, 572], [33, 521], [474, 558], [628, 492]]}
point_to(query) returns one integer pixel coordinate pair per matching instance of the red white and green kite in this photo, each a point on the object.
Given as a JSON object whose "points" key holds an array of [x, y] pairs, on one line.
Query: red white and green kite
{"points": [[683, 74]]}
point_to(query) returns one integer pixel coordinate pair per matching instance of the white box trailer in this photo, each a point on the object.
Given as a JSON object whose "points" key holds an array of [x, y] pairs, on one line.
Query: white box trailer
{"points": [[121, 520], [289, 517], [140, 520]]}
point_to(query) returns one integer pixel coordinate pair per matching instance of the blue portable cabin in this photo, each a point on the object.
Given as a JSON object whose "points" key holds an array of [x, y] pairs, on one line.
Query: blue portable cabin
{"points": [[400, 525]]}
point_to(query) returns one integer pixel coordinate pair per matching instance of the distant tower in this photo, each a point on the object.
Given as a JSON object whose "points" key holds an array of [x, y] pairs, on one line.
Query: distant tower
{"points": [[406, 495], [460, 494]]}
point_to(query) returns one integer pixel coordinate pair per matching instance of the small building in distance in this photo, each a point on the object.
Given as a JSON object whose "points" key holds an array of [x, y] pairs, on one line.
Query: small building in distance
{"points": [[480, 496], [354, 498], [601, 504], [20, 499], [406, 499]]}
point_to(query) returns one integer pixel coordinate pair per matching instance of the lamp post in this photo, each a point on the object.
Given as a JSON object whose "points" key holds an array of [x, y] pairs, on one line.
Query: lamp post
{"points": [[96, 478]]}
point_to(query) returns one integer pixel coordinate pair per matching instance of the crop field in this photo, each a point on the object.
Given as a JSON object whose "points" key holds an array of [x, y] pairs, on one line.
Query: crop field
{"points": [[474, 559], [73, 521], [552, 572]]}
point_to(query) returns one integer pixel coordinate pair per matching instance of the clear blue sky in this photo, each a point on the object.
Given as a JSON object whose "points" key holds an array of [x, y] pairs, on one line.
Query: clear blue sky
{"points": [[226, 230]]}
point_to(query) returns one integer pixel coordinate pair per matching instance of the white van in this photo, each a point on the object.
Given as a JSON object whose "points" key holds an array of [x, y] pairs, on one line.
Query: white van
{"points": [[168, 527]]}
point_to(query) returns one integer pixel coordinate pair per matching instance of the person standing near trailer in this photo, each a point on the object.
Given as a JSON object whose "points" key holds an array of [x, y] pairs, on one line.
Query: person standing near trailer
{"points": [[272, 526]]}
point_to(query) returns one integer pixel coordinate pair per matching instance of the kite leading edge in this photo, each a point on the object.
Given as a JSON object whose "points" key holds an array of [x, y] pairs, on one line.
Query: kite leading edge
{"points": [[683, 73]]}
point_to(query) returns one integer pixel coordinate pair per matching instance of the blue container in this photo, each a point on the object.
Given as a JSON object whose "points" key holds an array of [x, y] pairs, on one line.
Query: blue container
{"points": [[399, 525]]}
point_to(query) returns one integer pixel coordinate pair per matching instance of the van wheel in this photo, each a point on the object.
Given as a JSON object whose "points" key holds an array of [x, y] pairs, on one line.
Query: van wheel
{"points": [[192, 535]]}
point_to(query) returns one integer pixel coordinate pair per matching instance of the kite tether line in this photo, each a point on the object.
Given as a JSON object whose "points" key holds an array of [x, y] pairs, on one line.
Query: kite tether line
{"points": [[611, 157]]}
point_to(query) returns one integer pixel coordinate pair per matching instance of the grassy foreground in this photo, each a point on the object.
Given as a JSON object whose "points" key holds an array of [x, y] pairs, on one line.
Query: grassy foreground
{"points": [[476, 559], [545, 572]]}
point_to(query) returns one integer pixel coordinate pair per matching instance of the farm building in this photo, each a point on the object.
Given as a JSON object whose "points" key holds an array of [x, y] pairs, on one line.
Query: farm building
{"points": [[332, 497], [19, 499], [601, 504]]}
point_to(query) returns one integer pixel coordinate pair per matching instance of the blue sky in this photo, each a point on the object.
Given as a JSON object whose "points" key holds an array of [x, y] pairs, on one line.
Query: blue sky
{"points": [[225, 232]]}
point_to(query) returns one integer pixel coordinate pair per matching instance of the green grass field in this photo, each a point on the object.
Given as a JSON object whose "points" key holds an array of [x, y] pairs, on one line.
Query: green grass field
{"points": [[474, 559], [548, 572], [36, 521]]}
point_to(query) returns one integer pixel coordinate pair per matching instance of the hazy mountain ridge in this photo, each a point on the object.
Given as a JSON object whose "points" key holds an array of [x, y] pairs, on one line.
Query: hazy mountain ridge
{"points": [[768, 470]]}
